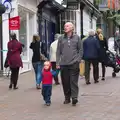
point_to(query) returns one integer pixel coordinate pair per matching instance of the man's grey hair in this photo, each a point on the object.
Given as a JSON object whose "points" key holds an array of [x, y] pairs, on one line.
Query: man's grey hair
{"points": [[57, 36], [71, 25], [91, 32]]}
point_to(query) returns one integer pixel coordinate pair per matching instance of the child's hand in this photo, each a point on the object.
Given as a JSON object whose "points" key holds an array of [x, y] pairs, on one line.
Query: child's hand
{"points": [[58, 67]]}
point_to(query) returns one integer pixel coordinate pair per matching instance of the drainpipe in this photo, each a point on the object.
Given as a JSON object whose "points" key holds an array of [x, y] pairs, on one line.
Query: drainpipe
{"points": [[82, 5]]}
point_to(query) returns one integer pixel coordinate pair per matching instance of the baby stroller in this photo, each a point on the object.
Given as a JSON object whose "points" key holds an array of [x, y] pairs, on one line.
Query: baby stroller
{"points": [[114, 62]]}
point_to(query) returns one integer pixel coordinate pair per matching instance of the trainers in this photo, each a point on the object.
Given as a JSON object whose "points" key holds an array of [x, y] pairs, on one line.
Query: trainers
{"points": [[103, 79], [10, 86], [96, 81], [74, 101], [38, 87], [57, 83], [15, 88], [48, 104], [88, 83]]}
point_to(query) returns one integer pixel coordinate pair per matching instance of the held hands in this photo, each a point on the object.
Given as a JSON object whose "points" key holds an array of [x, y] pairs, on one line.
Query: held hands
{"points": [[57, 66], [82, 61]]}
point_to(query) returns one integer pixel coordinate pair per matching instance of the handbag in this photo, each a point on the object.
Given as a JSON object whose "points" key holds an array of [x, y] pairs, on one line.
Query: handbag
{"points": [[42, 57], [82, 68], [6, 64]]}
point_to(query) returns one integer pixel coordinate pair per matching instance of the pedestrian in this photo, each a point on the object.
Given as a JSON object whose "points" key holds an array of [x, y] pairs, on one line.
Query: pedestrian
{"points": [[69, 54], [37, 62], [47, 76], [103, 48], [90, 55], [14, 59], [53, 49]]}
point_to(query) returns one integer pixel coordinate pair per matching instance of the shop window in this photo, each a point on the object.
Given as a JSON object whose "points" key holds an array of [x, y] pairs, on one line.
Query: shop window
{"points": [[26, 30], [68, 16], [23, 32]]}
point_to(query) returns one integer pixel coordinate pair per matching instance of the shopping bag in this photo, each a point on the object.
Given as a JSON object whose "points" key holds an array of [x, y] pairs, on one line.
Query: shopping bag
{"points": [[82, 68]]}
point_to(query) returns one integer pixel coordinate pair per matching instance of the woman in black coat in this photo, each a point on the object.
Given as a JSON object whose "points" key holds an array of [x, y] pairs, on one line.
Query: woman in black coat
{"points": [[103, 48]]}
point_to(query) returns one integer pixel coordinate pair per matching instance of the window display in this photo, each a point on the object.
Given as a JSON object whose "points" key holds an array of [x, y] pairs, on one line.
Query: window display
{"points": [[23, 32], [26, 31]]}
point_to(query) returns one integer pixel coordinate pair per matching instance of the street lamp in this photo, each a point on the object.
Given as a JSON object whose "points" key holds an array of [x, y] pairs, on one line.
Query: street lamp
{"points": [[2, 9]]}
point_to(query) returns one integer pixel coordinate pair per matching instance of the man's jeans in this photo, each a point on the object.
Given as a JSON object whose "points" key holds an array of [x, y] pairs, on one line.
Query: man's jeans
{"points": [[38, 72]]}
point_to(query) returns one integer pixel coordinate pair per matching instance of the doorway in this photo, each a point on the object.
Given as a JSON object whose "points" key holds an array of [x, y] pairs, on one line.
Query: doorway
{"points": [[47, 32]]}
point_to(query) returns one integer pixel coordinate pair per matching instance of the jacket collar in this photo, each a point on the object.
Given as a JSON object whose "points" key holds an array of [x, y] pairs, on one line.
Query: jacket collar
{"points": [[65, 35]]}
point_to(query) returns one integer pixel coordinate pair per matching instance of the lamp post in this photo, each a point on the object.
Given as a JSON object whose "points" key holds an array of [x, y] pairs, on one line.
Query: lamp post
{"points": [[2, 9]]}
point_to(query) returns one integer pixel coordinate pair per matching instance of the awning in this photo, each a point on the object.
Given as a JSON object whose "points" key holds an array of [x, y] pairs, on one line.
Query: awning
{"points": [[55, 4], [52, 3]]}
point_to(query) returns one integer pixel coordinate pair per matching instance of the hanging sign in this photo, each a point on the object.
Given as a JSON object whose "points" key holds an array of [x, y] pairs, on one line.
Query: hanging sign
{"points": [[14, 23]]}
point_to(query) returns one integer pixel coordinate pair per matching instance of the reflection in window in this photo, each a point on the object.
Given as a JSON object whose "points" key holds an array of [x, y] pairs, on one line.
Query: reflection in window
{"points": [[23, 32]]}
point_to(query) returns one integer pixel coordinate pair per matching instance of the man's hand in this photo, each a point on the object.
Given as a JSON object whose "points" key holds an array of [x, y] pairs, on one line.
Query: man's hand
{"points": [[82, 61]]}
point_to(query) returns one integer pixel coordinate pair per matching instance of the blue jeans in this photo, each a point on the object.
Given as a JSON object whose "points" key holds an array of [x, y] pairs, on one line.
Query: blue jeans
{"points": [[47, 92], [38, 72]]}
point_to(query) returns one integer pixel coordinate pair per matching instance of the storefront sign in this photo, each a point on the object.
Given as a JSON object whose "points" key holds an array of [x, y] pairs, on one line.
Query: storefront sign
{"points": [[73, 6], [14, 23]]}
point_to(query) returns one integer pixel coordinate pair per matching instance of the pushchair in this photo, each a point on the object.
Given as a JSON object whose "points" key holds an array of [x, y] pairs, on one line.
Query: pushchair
{"points": [[113, 61]]}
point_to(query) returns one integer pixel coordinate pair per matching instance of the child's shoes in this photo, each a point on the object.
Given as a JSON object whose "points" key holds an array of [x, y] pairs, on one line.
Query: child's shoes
{"points": [[48, 104]]}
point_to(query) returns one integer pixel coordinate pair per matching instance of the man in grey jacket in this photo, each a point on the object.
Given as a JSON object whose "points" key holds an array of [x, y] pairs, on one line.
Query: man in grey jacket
{"points": [[68, 57]]}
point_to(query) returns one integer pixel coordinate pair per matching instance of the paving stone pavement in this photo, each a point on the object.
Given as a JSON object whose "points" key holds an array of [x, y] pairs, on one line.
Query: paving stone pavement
{"points": [[96, 102]]}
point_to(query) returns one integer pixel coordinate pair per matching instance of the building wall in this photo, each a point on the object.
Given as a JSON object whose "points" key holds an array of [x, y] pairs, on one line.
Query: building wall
{"points": [[74, 17], [91, 1], [94, 23], [78, 26], [86, 21], [89, 22], [29, 4]]}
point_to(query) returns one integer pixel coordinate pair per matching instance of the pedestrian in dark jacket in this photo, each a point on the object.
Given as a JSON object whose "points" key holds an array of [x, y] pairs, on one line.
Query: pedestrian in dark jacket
{"points": [[36, 59], [47, 78], [103, 48], [14, 59], [90, 55]]}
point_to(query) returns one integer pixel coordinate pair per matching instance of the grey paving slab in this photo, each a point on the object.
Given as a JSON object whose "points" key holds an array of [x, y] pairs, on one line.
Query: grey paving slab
{"points": [[96, 102]]}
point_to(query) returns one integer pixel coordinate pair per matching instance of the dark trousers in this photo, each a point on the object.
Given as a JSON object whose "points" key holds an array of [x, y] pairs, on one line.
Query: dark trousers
{"points": [[46, 93], [55, 77], [69, 77], [103, 70], [95, 70], [14, 76]]}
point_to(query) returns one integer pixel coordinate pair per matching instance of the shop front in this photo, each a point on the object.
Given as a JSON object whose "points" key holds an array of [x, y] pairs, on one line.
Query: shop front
{"points": [[27, 29], [28, 26], [48, 16]]}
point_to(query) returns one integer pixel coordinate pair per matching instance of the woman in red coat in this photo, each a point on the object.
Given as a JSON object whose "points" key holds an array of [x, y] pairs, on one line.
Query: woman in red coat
{"points": [[14, 59]]}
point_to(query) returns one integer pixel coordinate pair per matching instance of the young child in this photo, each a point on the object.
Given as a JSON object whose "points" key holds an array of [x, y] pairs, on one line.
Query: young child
{"points": [[47, 76]]}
